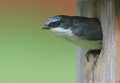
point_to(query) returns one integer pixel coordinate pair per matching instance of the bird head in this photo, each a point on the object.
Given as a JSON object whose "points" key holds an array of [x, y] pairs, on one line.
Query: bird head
{"points": [[59, 25]]}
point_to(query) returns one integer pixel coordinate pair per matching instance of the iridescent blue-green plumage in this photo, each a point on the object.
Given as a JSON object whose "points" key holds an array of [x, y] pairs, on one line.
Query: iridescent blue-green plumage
{"points": [[82, 31]]}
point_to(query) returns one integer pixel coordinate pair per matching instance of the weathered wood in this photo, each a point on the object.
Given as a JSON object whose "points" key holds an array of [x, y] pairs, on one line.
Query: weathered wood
{"points": [[80, 65], [104, 72]]}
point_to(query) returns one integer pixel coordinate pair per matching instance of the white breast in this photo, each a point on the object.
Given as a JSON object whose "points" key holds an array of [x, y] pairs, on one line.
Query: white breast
{"points": [[67, 34]]}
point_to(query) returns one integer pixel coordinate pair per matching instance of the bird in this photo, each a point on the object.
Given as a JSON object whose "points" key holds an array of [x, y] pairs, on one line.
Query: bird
{"points": [[84, 32]]}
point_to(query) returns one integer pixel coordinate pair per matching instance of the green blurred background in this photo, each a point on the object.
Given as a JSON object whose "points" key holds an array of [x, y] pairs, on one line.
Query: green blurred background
{"points": [[28, 54]]}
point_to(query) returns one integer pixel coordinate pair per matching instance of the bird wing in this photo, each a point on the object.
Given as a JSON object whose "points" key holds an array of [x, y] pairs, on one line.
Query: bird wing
{"points": [[88, 31]]}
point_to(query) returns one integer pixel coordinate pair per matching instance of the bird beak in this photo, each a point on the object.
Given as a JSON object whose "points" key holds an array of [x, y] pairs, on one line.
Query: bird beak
{"points": [[45, 27]]}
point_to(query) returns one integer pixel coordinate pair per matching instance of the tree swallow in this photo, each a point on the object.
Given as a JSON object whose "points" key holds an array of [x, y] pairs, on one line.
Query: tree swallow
{"points": [[82, 31]]}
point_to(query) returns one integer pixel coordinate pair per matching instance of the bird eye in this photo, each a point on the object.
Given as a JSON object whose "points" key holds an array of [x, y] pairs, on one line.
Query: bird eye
{"points": [[54, 24], [57, 23]]}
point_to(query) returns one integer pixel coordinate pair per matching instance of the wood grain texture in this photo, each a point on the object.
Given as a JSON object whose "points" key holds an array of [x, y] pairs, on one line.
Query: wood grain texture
{"points": [[104, 72]]}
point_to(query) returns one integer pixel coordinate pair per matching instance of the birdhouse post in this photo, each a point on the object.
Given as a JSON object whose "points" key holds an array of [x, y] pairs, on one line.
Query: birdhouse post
{"points": [[107, 69]]}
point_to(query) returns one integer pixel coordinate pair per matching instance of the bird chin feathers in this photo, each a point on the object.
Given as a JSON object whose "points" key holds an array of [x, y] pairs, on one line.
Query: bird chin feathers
{"points": [[61, 31]]}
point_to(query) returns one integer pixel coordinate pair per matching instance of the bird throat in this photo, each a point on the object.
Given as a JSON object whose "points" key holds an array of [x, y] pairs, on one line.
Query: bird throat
{"points": [[61, 32]]}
